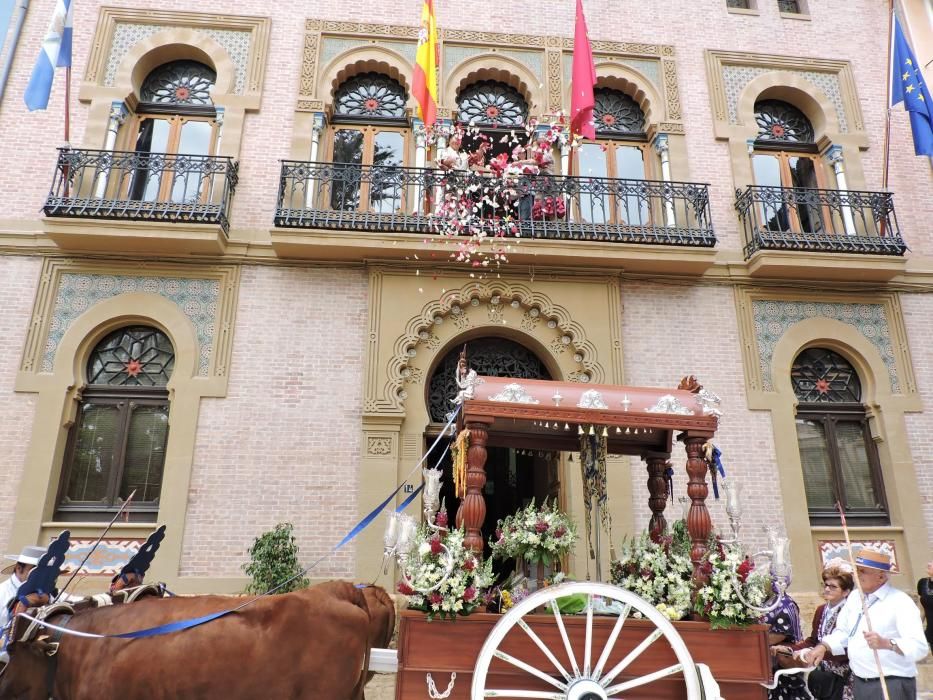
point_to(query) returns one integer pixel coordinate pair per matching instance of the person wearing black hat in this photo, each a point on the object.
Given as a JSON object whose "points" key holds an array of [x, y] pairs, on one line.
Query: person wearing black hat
{"points": [[896, 636]]}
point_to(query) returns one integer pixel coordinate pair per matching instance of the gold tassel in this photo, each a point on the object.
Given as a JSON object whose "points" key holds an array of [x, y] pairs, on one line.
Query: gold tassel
{"points": [[460, 449]]}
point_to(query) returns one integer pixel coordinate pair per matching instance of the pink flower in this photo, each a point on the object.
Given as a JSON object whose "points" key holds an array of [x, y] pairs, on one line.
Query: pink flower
{"points": [[469, 594], [499, 534], [441, 519], [469, 564], [405, 589], [436, 545]]}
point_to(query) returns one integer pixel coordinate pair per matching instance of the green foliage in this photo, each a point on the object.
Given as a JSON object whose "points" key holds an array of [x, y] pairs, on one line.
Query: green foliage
{"points": [[273, 561]]}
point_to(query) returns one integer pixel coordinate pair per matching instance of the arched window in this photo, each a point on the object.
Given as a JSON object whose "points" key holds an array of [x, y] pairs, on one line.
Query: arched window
{"points": [[491, 103], [370, 139], [839, 458], [785, 156], [619, 153], [175, 116], [117, 443], [491, 357]]}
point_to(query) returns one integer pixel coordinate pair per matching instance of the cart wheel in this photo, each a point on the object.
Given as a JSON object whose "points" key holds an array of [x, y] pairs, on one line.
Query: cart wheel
{"points": [[585, 678]]}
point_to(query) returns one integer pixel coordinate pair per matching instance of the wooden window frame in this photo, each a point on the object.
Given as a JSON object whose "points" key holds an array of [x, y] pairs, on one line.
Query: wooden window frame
{"points": [[370, 129], [125, 400], [784, 153], [610, 145], [829, 414]]}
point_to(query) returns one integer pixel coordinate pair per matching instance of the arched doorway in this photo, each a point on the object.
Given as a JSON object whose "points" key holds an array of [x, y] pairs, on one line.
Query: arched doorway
{"points": [[514, 475]]}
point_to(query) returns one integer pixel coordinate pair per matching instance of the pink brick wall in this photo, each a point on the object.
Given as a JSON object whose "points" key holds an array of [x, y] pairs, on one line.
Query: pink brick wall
{"points": [[26, 173], [18, 279], [285, 442], [919, 425], [662, 344]]}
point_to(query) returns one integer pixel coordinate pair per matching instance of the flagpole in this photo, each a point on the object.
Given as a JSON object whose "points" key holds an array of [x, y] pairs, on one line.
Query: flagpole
{"points": [[887, 98]]}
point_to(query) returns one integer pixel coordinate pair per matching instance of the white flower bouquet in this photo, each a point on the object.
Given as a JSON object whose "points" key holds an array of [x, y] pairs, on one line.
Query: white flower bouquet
{"points": [[718, 600], [660, 572], [540, 535], [464, 589]]}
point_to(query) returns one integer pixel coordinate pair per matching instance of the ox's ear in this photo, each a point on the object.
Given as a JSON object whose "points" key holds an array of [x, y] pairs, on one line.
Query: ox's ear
{"points": [[41, 579], [139, 563]]}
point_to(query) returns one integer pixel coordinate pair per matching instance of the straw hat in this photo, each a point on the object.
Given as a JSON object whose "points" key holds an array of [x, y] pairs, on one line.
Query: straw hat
{"points": [[30, 555], [869, 558]]}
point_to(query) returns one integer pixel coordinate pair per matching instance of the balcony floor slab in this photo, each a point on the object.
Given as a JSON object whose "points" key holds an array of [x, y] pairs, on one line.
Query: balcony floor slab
{"points": [[149, 237]]}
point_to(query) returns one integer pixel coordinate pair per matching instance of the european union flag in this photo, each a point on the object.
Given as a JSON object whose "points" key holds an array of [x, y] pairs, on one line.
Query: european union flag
{"points": [[907, 86]]}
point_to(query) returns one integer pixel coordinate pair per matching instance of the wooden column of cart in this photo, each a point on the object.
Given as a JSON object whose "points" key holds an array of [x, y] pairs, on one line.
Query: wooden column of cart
{"points": [[644, 422]]}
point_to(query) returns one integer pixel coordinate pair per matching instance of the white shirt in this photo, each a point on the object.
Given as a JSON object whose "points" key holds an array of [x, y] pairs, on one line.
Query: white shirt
{"points": [[894, 616], [8, 591]]}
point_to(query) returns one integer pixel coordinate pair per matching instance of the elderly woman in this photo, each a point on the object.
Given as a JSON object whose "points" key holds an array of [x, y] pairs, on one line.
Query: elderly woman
{"points": [[784, 630], [832, 680]]}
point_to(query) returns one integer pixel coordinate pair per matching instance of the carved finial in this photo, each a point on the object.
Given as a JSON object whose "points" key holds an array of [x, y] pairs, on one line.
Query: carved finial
{"points": [[689, 383]]}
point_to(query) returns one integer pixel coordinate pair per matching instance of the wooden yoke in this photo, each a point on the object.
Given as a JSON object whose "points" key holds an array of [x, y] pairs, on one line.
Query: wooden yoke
{"points": [[472, 510]]}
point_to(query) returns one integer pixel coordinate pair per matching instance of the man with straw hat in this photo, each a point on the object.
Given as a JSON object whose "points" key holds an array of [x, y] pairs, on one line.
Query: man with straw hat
{"points": [[881, 631], [23, 563]]}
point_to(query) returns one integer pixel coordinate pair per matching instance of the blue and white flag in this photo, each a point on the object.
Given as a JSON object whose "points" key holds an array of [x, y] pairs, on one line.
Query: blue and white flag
{"points": [[55, 53], [907, 86]]}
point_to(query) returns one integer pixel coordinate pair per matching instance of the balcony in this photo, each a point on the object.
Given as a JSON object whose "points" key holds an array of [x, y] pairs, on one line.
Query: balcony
{"points": [[785, 226], [354, 211], [152, 202]]}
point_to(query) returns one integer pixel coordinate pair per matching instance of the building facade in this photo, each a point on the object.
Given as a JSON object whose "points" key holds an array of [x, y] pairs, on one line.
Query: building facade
{"points": [[224, 291]]}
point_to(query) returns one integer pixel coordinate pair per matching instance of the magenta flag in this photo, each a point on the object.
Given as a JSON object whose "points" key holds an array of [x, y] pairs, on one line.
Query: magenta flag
{"points": [[582, 81]]}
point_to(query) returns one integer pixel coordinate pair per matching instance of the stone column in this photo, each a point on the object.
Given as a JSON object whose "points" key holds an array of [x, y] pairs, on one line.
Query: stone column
{"points": [[421, 158], [663, 148], [472, 511], [699, 524], [834, 156], [657, 490], [311, 184], [117, 117]]}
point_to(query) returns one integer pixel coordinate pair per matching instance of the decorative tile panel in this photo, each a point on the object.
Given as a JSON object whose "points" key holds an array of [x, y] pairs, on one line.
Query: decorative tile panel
{"points": [[196, 298], [106, 560], [735, 78], [334, 46], [651, 69], [774, 318], [126, 36], [455, 55], [839, 549]]}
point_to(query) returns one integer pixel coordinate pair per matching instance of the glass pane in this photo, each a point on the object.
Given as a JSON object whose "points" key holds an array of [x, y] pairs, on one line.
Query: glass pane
{"points": [[385, 194], [803, 174], [132, 356], [856, 469], [145, 453], [591, 158], [767, 170], [345, 190], [632, 208], [152, 138], [92, 463], [187, 175], [814, 457]]}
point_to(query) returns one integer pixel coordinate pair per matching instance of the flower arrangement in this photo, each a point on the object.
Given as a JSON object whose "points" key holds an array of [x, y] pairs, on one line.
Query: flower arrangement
{"points": [[660, 572], [540, 535], [461, 593], [718, 600]]}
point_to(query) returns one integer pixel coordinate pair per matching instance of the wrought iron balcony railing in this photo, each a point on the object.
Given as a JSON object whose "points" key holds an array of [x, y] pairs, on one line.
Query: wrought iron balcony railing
{"points": [[136, 186], [797, 218], [389, 198]]}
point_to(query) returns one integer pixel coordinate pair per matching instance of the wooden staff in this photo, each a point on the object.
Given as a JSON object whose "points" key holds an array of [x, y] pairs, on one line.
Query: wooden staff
{"points": [[865, 606]]}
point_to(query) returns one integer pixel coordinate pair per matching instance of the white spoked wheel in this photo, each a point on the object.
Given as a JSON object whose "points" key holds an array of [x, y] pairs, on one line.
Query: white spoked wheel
{"points": [[584, 673]]}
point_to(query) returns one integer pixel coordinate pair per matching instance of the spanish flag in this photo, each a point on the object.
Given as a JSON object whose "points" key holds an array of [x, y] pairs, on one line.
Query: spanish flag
{"points": [[424, 84]]}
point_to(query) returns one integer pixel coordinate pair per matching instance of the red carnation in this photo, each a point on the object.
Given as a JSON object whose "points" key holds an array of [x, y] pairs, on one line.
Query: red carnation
{"points": [[745, 568], [436, 545], [441, 519], [541, 526], [436, 599], [560, 532], [469, 594], [469, 564], [405, 589]]}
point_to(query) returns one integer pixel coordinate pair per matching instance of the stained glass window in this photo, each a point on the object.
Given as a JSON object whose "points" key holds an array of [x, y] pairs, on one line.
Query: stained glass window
{"points": [[117, 443], [492, 103], [617, 113], [781, 122], [491, 357], [186, 83], [370, 95], [837, 453]]}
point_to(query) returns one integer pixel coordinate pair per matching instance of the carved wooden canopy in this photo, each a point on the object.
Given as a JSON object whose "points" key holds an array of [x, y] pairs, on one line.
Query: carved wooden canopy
{"points": [[548, 415]]}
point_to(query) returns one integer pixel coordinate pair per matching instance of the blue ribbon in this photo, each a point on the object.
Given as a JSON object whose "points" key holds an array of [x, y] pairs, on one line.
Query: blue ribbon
{"points": [[717, 465]]}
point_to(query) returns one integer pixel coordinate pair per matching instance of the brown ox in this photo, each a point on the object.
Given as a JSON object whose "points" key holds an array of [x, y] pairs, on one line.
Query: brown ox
{"points": [[304, 645]]}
